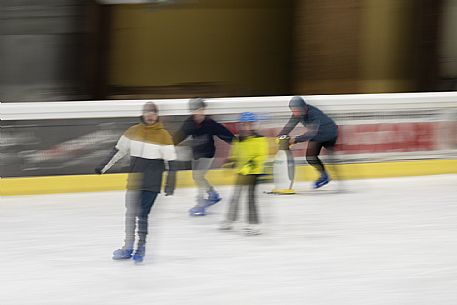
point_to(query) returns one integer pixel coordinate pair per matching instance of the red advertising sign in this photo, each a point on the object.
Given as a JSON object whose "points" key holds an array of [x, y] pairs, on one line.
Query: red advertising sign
{"points": [[387, 137]]}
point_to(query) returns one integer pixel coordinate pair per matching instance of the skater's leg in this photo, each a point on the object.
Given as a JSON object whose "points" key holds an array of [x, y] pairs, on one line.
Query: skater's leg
{"points": [[233, 208], [253, 217], [333, 160], [200, 168], [132, 204], [312, 156], [147, 201], [330, 147]]}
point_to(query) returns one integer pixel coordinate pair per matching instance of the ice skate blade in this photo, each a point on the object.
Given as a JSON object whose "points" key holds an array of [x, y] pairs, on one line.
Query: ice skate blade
{"points": [[321, 192], [283, 192], [121, 258], [197, 214], [225, 228], [252, 233], [322, 184], [197, 211], [210, 203]]}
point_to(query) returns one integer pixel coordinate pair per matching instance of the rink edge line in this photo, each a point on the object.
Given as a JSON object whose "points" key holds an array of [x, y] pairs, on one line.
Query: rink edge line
{"points": [[112, 182]]}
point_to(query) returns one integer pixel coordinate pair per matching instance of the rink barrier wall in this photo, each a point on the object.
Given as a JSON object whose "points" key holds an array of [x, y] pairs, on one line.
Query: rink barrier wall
{"points": [[356, 104], [70, 138], [383, 135], [113, 182]]}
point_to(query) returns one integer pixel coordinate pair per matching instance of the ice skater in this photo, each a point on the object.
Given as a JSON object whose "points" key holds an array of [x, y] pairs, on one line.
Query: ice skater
{"points": [[202, 129], [249, 154], [149, 145], [321, 132]]}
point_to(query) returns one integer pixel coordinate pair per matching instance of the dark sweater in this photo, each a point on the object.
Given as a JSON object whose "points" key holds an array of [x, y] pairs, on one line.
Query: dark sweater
{"points": [[202, 136], [321, 127]]}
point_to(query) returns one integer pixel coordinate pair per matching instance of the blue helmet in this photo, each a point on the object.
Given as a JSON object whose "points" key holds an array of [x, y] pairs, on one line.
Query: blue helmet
{"points": [[248, 117]]}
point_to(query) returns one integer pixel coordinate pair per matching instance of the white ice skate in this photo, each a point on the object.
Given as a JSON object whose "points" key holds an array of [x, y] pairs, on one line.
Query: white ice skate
{"points": [[251, 230], [226, 226]]}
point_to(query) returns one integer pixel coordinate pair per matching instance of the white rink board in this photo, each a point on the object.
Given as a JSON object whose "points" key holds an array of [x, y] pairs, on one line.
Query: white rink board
{"points": [[425, 103], [388, 241]]}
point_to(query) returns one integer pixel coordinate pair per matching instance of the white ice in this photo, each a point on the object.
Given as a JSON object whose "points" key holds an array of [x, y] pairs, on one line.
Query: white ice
{"points": [[385, 241]]}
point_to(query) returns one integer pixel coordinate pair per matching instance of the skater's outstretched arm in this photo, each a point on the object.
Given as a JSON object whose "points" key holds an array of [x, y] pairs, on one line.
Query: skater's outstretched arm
{"points": [[182, 133], [290, 125], [222, 132], [311, 130], [121, 149], [230, 162], [168, 149], [169, 155]]}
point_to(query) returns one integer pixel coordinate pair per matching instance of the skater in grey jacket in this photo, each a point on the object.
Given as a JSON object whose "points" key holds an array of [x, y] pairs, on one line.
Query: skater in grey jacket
{"points": [[321, 132]]}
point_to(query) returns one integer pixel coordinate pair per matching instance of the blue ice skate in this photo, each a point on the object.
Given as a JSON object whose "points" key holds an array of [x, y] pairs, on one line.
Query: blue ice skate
{"points": [[323, 180], [198, 210], [122, 253], [138, 257], [213, 198]]}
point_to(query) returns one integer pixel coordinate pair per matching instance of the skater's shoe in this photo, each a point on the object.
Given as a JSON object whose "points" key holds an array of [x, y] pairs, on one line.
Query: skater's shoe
{"points": [[139, 255], [252, 230], [323, 180], [213, 198], [226, 226], [122, 253], [198, 210]]}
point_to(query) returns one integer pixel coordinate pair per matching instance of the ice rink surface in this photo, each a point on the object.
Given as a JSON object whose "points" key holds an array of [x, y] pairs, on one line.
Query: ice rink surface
{"points": [[386, 241]]}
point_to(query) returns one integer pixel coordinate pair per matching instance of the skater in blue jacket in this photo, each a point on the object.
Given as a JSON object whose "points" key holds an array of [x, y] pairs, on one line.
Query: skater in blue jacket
{"points": [[202, 129]]}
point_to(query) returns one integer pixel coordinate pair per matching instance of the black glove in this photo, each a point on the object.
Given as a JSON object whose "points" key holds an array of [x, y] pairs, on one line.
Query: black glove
{"points": [[252, 163], [284, 142], [98, 170], [229, 163], [248, 168], [169, 191], [170, 183]]}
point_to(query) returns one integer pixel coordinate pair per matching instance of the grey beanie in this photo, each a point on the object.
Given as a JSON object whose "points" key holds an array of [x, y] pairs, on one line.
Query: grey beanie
{"points": [[196, 103], [150, 107], [297, 102]]}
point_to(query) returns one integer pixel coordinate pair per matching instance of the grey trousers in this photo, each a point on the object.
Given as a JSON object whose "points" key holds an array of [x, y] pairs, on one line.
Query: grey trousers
{"points": [[248, 182], [200, 168], [138, 206]]}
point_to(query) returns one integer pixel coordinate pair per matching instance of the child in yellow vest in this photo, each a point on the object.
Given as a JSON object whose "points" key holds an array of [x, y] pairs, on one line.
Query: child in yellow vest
{"points": [[249, 154]]}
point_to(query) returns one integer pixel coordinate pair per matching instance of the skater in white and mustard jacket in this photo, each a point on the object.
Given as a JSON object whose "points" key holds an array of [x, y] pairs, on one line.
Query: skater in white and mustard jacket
{"points": [[149, 145]]}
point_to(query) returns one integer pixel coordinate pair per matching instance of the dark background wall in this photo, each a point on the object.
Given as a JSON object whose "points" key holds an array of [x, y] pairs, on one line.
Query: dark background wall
{"points": [[225, 47], [69, 49], [43, 50]]}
